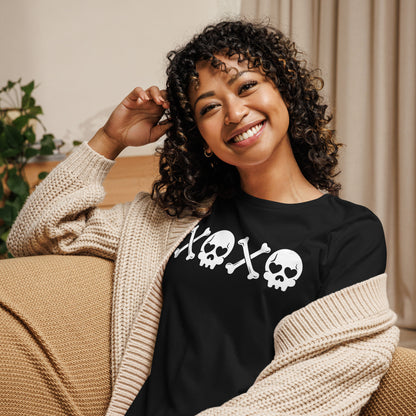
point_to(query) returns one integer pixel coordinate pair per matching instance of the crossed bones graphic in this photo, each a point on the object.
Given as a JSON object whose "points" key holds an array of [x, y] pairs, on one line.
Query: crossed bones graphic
{"points": [[192, 239], [252, 274]]}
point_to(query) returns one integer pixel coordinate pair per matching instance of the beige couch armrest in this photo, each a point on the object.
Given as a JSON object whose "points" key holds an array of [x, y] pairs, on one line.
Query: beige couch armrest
{"points": [[396, 395], [55, 314]]}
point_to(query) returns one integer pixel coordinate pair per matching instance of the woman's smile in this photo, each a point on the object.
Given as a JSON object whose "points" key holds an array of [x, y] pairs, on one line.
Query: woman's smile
{"points": [[247, 135]]}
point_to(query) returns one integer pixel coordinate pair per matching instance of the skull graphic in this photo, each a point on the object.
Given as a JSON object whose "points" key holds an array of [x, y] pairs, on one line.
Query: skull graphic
{"points": [[216, 248], [283, 268]]}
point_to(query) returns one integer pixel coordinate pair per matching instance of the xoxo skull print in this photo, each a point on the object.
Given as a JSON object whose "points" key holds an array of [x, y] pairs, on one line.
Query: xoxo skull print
{"points": [[282, 268], [216, 248]]}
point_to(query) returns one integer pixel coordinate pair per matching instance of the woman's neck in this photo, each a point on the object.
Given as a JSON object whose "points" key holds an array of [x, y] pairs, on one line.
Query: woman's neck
{"points": [[278, 180]]}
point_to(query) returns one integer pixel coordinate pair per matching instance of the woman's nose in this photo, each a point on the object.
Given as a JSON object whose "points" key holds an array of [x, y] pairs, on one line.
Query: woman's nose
{"points": [[235, 111]]}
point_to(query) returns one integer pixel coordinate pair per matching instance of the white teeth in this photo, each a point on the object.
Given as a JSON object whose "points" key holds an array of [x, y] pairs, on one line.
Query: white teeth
{"points": [[247, 134]]}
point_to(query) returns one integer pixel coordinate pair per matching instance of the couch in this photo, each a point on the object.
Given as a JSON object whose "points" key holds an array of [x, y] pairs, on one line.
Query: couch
{"points": [[55, 316]]}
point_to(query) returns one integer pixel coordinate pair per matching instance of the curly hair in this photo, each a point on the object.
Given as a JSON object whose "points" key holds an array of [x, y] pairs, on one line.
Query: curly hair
{"points": [[187, 177]]}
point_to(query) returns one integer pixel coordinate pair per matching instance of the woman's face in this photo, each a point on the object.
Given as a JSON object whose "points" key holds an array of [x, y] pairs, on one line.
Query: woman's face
{"points": [[240, 114]]}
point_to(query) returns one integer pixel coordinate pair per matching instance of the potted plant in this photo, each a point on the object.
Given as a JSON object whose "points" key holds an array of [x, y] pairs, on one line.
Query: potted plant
{"points": [[19, 115]]}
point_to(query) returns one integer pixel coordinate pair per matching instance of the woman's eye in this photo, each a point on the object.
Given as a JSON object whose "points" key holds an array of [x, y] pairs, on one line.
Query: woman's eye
{"points": [[207, 108], [246, 86]]}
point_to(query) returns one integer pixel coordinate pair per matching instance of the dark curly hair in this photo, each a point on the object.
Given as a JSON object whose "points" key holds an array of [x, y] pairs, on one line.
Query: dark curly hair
{"points": [[187, 177]]}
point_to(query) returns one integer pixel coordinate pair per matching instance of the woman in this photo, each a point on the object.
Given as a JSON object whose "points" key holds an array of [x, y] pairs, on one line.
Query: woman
{"points": [[273, 288]]}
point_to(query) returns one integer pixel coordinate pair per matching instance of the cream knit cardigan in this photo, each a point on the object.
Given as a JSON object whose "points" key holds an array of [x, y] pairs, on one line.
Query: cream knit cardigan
{"points": [[329, 356]]}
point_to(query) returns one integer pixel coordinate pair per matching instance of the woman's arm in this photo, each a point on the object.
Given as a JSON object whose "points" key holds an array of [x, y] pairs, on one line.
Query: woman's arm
{"points": [[330, 357], [61, 215]]}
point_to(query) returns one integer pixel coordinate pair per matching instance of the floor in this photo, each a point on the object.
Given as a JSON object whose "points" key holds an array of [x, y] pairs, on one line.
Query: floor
{"points": [[408, 338]]}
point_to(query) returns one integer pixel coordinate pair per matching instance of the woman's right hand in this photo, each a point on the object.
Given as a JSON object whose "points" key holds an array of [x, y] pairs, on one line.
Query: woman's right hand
{"points": [[134, 122]]}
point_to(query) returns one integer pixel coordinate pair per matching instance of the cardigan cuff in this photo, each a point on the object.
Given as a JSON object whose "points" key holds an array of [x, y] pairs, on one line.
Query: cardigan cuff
{"points": [[87, 164], [365, 302]]}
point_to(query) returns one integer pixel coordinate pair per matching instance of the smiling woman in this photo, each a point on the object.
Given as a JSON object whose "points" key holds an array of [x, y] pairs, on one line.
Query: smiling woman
{"points": [[243, 285], [244, 122], [244, 74]]}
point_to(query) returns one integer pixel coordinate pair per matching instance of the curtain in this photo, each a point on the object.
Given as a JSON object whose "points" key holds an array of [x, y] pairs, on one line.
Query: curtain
{"points": [[366, 50]]}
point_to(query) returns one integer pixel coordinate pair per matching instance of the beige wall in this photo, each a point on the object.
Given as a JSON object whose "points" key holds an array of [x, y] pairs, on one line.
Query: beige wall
{"points": [[87, 54]]}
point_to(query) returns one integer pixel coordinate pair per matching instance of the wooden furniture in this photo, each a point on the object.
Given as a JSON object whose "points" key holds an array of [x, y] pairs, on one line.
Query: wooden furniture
{"points": [[128, 176]]}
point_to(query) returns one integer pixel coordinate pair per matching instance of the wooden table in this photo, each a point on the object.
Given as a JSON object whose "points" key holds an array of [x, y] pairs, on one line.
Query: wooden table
{"points": [[128, 176]]}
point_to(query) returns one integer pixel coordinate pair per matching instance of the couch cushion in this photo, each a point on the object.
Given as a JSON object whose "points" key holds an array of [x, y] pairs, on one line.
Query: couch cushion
{"points": [[55, 314], [396, 395]]}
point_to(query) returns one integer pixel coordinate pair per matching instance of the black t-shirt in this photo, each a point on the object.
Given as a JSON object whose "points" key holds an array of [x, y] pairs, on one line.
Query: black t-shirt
{"points": [[234, 277]]}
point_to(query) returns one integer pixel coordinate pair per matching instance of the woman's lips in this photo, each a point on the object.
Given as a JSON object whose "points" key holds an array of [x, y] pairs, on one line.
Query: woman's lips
{"points": [[248, 136]]}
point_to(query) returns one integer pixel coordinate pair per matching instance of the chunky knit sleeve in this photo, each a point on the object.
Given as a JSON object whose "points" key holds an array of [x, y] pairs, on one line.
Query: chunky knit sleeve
{"points": [[330, 357], [60, 216]]}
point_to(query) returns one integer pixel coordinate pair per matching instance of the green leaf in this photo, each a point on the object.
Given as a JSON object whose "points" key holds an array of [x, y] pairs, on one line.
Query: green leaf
{"points": [[31, 152], [3, 141], [5, 234], [17, 203], [8, 214], [30, 135], [3, 229], [43, 175], [47, 139], [10, 85], [28, 88], [3, 247], [21, 122], [1, 189], [9, 153], [35, 110], [13, 136], [76, 143], [28, 101], [18, 185], [47, 144]]}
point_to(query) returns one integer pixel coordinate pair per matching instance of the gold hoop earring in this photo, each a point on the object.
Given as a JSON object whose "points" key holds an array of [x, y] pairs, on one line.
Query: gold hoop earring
{"points": [[207, 154]]}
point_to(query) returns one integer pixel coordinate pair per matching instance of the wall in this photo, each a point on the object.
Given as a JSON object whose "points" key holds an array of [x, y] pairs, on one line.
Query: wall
{"points": [[86, 55]]}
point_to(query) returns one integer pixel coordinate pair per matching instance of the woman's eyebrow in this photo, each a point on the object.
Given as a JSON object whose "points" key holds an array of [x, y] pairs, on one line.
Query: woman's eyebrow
{"points": [[204, 95], [237, 75], [230, 82]]}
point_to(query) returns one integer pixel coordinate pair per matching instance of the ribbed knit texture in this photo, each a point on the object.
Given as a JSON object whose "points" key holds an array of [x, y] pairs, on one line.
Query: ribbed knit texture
{"points": [[148, 239], [55, 336], [330, 355], [60, 217]]}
